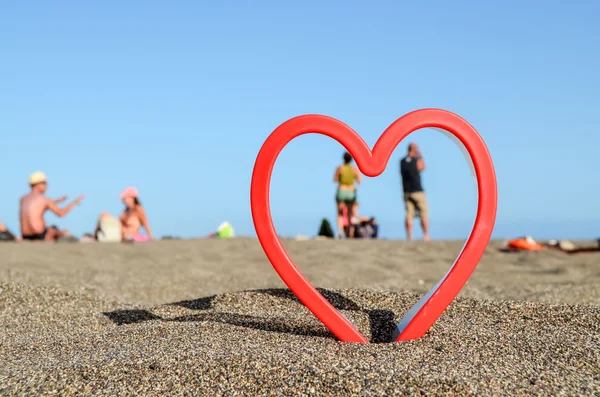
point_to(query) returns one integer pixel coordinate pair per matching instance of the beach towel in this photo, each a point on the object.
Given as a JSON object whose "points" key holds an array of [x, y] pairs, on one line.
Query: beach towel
{"points": [[139, 238], [110, 230], [523, 244]]}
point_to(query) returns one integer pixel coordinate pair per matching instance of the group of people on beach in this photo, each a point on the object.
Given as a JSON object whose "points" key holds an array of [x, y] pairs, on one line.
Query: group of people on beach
{"points": [[347, 176], [127, 227], [35, 204]]}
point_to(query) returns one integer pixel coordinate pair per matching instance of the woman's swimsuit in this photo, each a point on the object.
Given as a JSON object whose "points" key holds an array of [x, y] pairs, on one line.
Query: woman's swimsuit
{"points": [[132, 222]]}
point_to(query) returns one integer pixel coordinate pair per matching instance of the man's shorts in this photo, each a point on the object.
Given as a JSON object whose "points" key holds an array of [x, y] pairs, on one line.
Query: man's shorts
{"points": [[415, 205]]}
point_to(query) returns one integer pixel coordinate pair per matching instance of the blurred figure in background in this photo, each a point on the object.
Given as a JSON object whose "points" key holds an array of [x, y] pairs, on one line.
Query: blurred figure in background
{"points": [[415, 200], [130, 222], [34, 205], [5, 234], [345, 176]]}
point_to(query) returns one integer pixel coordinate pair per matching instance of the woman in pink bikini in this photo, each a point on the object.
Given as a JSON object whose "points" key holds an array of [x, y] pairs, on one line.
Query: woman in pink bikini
{"points": [[131, 220]]}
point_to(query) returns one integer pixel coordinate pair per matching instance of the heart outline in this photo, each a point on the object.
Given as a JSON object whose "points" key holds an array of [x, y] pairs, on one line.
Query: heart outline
{"points": [[373, 163]]}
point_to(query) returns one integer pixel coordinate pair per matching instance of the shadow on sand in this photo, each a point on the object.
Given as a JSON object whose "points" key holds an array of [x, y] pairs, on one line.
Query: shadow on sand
{"points": [[381, 321]]}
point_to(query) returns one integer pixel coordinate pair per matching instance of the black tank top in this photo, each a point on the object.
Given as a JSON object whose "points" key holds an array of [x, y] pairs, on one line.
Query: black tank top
{"points": [[411, 176]]}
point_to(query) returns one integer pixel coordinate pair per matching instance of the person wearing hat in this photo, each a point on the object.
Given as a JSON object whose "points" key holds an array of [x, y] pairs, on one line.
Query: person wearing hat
{"points": [[34, 205], [129, 224]]}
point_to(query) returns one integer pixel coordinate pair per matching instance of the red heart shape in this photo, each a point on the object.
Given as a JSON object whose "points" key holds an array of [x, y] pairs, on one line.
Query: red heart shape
{"points": [[372, 163]]}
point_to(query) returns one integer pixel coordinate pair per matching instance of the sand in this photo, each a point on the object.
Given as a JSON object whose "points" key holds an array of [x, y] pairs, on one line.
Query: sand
{"points": [[211, 317]]}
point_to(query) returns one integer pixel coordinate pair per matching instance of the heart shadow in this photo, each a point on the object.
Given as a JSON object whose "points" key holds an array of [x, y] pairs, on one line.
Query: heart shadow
{"points": [[381, 322]]}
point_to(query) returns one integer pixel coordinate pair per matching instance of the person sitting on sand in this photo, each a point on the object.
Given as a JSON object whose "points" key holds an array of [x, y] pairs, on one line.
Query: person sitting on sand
{"points": [[345, 176], [366, 227], [34, 205], [131, 220], [361, 226]]}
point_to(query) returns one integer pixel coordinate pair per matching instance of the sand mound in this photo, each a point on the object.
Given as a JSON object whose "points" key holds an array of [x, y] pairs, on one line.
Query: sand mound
{"points": [[264, 342]]}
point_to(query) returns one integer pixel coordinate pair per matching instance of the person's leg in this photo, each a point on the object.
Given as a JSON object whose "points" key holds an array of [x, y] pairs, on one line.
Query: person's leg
{"points": [[343, 196], [98, 228], [421, 201], [351, 225], [52, 234], [425, 227], [409, 207], [3, 228], [352, 206], [348, 218], [340, 218]]}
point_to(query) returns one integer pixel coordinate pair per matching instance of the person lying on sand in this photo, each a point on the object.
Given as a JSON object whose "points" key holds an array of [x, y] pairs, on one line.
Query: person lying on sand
{"points": [[6, 235], [225, 230], [570, 248], [131, 220], [527, 243], [34, 205]]}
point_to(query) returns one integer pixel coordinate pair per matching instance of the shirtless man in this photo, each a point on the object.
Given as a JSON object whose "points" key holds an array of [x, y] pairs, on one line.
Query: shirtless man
{"points": [[33, 206]]}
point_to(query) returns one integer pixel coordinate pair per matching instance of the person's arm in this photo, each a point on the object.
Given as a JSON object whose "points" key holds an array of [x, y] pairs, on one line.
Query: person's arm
{"points": [[358, 175], [61, 199], [420, 162], [336, 176], [60, 212], [144, 221]]}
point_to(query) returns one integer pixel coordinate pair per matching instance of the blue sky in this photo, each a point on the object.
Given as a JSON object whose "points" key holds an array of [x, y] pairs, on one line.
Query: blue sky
{"points": [[176, 98]]}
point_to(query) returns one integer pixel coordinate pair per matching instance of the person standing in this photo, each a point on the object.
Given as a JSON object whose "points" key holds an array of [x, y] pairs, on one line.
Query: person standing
{"points": [[345, 176], [415, 200], [34, 205]]}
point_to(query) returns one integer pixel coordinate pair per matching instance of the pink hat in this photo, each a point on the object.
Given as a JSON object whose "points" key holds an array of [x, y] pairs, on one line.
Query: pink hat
{"points": [[129, 192]]}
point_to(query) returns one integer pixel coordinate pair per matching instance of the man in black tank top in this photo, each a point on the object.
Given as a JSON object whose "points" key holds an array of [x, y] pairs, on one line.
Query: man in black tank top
{"points": [[415, 201]]}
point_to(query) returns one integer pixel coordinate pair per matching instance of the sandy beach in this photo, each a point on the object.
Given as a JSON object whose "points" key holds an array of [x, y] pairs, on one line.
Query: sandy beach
{"points": [[212, 317]]}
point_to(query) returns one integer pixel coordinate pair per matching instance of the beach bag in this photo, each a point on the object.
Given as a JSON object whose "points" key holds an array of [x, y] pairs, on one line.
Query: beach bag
{"points": [[110, 230]]}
